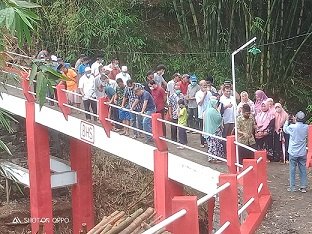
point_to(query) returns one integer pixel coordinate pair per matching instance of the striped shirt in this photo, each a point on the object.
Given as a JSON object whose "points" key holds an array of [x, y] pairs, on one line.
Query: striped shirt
{"points": [[130, 95]]}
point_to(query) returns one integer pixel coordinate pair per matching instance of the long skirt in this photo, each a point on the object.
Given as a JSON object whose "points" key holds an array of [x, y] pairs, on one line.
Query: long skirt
{"points": [[215, 146]]}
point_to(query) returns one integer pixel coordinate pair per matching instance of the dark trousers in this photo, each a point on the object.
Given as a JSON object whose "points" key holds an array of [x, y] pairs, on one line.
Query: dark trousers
{"points": [[174, 130], [182, 136], [90, 103], [192, 120], [245, 153], [115, 116], [228, 128], [162, 112], [201, 128]]}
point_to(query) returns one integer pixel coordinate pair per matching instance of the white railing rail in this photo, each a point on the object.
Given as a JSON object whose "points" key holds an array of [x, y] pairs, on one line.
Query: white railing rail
{"points": [[246, 205], [191, 148], [245, 146], [244, 172], [208, 196], [223, 228], [166, 222], [192, 129]]}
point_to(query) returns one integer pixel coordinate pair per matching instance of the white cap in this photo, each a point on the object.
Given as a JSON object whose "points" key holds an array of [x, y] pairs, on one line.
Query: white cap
{"points": [[300, 115], [53, 58], [124, 69], [87, 69]]}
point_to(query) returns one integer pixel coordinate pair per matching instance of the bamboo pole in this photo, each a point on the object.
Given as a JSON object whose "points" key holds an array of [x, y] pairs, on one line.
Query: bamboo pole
{"points": [[137, 221], [195, 20], [185, 25], [128, 221], [176, 10]]}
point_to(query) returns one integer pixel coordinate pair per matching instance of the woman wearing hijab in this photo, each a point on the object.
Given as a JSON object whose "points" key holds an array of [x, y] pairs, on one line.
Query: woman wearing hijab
{"points": [[245, 100], [213, 126], [280, 118], [270, 101], [260, 97], [265, 129]]}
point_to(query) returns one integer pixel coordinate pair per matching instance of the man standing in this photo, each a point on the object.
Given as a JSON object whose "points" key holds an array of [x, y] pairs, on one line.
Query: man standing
{"points": [[170, 86], [86, 87], [192, 89], [228, 102], [184, 83], [173, 110], [202, 98], [160, 99], [124, 75], [149, 77], [114, 65], [130, 97], [95, 66], [245, 132], [71, 85], [298, 132], [124, 116], [146, 99], [158, 76]]}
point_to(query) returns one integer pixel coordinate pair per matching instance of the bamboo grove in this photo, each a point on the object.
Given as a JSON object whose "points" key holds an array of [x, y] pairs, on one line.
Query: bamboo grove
{"points": [[190, 36]]}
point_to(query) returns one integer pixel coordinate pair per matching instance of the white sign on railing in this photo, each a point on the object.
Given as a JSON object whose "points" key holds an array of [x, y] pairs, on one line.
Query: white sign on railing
{"points": [[87, 132]]}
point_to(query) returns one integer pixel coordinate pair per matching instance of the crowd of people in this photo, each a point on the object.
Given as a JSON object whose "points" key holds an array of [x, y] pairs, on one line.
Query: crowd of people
{"points": [[187, 101]]}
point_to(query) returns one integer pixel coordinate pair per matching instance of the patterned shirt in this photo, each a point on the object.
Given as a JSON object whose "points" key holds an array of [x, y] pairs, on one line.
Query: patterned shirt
{"points": [[246, 126], [130, 95], [120, 92], [173, 103]]}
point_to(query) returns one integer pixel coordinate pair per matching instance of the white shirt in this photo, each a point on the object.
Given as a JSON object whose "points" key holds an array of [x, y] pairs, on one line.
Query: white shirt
{"points": [[95, 68], [159, 79], [88, 87], [124, 77], [228, 115], [170, 87], [201, 108]]}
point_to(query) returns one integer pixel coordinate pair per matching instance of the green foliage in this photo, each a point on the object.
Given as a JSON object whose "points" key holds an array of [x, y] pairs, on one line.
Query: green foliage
{"points": [[17, 18]]}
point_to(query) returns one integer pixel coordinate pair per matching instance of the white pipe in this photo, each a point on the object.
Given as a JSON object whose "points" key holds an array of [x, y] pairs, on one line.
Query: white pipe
{"points": [[130, 127], [245, 146], [192, 129], [260, 187], [165, 222], [191, 148], [223, 227], [234, 90], [243, 173], [208, 196], [244, 207], [259, 160]]}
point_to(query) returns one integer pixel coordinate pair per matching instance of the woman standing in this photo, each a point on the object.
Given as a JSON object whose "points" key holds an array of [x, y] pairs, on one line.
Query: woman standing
{"points": [[245, 100], [260, 98], [213, 126], [280, 118], [265, 129]]}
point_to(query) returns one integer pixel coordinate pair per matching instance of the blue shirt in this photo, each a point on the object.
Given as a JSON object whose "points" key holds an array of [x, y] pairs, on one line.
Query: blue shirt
{"points": [[150, 101], [298, 138]]}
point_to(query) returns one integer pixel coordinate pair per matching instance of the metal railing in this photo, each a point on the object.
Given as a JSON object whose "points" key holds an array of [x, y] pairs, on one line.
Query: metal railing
{"points": [[183, 212]]}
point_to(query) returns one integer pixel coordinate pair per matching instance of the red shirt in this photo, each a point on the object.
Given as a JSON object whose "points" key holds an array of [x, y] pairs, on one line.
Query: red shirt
{"points": [[183, 87], [112, 75], [159, 95]]}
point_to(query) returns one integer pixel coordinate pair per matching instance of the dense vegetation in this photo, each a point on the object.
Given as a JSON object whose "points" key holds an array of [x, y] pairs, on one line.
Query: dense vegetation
{"points": [[189, 36]]}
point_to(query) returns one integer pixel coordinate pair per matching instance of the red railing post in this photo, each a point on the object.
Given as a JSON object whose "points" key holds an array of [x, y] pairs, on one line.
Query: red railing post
{"points": [[309, 155], [157, 130], [211, 206], [262, 172], [62, 99], [164, 188], [228, 199], [82, 192], [26, 87], [38, 160], [250, 185], [189, 222], [104, 114], [231, 154]]}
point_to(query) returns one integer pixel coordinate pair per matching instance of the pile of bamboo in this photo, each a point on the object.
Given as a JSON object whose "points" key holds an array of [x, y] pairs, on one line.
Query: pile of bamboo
{"points": [[119, 223]]}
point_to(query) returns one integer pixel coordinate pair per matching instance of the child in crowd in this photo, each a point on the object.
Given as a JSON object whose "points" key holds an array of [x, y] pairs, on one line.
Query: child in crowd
{"points": [[182, 120]]}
